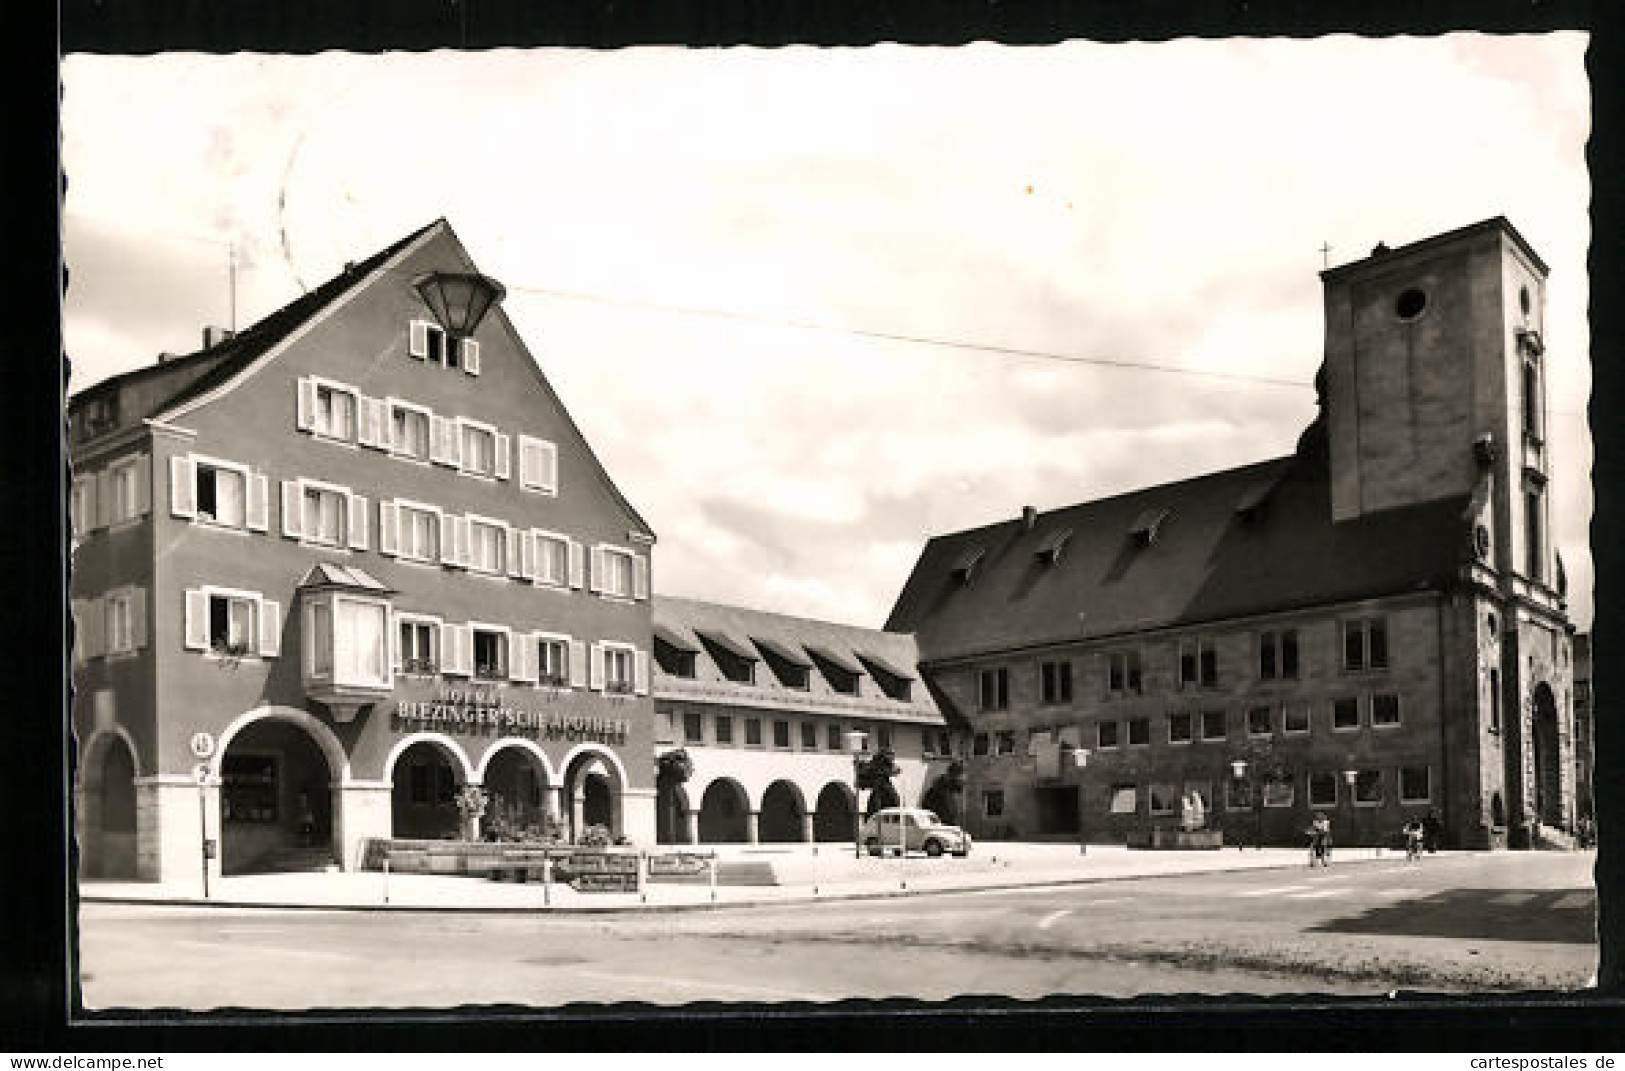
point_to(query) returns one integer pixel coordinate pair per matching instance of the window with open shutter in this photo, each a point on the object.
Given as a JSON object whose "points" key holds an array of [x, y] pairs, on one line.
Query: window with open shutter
{"points": [[640, 577], [143, 485], [522, 657], [195, 630], [504, 446], [417, 339], [578, 664], [358, 522], [183, 487], [270, 629], [578, 564], [595, 667], [512, 554], [258, 506], [471, 357], [448, 539], [640, 672], [306, 404], [293, 509], [389, 516]]}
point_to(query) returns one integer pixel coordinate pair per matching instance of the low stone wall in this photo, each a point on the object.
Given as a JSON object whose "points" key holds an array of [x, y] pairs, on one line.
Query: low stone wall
{"points": [[1178, 840]]}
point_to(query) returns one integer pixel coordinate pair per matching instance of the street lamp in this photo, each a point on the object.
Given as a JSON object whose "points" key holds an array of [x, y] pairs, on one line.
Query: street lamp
{"points": [[1352, 776], [1080, 759], [459, 300], [856, 740]]}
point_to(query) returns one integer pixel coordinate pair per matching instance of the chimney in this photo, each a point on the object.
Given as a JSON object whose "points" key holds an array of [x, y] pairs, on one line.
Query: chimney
{"points": [[1029, 517], [213, 336]]}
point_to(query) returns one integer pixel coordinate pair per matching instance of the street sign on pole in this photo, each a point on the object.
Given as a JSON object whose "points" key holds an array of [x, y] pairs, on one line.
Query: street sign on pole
{"points": [[202, 745]]}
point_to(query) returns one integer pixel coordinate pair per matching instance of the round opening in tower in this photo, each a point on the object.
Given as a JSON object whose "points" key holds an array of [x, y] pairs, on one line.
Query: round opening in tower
{"points": [[1410, 304]]}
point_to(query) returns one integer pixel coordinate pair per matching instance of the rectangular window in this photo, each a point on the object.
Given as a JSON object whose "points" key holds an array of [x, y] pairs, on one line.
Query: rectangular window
{"points": [[1415, 784], [326, 516], [1278, 655], [1531, 399], [417, 648], [490, 654], [82, 509], [220, 495], [1164, 797], [1007, 743], [1322, 789], [883, 734], [360, 633], [1345, 714], [1139, 732], [1534, 533], [1495, 701], [993, 688], [618, 670], [552, 559], [125, 495], [1367, 788], [436, 340], [1213, 725], [538, 465], [979, 744], [693, 727], [1123, 673], [479, 450], [1055, 682], [409, 432], [809, 736], [231, 624], [1106, 735], [1198, 663], [753, 732], [1365, 644], [1260, 721], [993, 803], [552, 662], [617, 572], [832, 737], [1179, 727], [725, 729], [485, 546], [419, 534], [781, 734], [120, 623], [335, 412], [1125, 798], [1279, 792], [1385, 709], [1295, 717]]}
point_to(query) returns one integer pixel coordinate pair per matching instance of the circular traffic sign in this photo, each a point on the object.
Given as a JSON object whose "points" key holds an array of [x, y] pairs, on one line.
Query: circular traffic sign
{"points": [[201, 772], [202, 745]]}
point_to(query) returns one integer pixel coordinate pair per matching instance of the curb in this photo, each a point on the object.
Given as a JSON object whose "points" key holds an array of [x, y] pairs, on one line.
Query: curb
{"points": [[661, 909]]}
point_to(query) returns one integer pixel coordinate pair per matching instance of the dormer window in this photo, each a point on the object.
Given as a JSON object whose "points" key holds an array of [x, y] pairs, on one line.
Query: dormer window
{"points": [[965, 567], [736, 661], [1049, 552], [838, 669], [892, 680], [792, 668], [1147, 524]]}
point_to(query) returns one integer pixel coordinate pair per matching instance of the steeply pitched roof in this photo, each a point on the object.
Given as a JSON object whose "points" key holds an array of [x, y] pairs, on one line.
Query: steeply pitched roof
{"points": [[1225, 549]]}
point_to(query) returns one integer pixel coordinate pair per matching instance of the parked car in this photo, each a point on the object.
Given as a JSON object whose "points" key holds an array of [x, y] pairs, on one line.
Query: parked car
{"points": [[917, 829]]}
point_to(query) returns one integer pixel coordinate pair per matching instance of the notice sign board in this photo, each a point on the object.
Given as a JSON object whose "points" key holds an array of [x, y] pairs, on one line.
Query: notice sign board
{"points": [[603, 872], [680, 865]]}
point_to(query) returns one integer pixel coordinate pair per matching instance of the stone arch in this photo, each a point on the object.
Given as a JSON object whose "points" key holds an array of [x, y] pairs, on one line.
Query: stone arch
{"points": [[107, 806], [834, 818], [671, 814], [608, 755], [724, 812], [594, 783], [442, 743], [781, 813], [338, 763], [523, 744], [519, 779], [422, 805], [1547, 755]]}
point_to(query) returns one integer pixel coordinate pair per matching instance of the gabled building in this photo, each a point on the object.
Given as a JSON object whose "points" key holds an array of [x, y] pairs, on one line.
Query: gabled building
{"points": [[332, 568], [762, 704], [1373, 627]]}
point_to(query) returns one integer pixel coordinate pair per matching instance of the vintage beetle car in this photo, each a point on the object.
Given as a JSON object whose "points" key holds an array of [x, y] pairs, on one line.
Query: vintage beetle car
{"points": [[916, 829]]}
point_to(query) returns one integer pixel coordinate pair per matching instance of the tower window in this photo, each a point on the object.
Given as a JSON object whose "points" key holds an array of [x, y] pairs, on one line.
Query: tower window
{"points": [[1411, 304], [1535, 512]]}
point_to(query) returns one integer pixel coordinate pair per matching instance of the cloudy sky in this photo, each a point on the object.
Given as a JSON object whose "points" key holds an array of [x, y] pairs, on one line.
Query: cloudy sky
{"points": [[701, 248]]}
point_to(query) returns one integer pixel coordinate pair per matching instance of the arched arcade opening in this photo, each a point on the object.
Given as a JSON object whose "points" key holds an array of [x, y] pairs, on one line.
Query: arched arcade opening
{"points": [[724, 813], [276, 799], [782, 814], [833, 819], [108, 822], [424, 781]]}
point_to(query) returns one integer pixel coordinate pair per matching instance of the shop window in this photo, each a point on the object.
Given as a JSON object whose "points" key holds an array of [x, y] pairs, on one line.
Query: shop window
{"points": [[1198, 663], [1260, 722], [1415, 784], [486, 545], [1164, 797], [1385, 710], [809, 736], [1055, 682], [781, 734], [1106, 735], [993, 688], [1345, 714], [1200, 792], [1139, 732], [1124, 798], [1279, 792], [1367, 788], [1006, 741], [1295, 717], [619, 670], [552, 662], [1214, 725], [1278, 655], [418, 533], [1179, 728], [248, 790], [479, 449], [693, 727], [1123, 675], [993, 803], [1322, 789], [490, 654], [724, 726], [418, 647], [753, 732], [326, 513], [409, 431], [1365, 644], [1239, 795], [538, 465], [979, 744]]}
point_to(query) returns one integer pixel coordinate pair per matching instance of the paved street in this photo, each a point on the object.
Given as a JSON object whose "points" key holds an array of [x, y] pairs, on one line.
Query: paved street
{"points": [[1508, 921]]}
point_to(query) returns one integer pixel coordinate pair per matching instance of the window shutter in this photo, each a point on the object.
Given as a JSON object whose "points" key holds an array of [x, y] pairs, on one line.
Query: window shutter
{"points": [[550, 466], [522, 657], [366, 420], [595, 668], [293, 509], [258, 507], [578, 564], [138, 618], [528, 476], [104, 499], [448, 539], [417, 339], [182, 487], [196, 627], [306, 410], [578, 664], [389, 519], [454, 441], [93, 628], [358, 522], [92, 505], [594, 575], [459, 650], [640, 576], [527, 555], [439, 434], [471, 357], [143, 485], [504, 443], [78, 608], [640, 672], [270, 629], [512, 555]]}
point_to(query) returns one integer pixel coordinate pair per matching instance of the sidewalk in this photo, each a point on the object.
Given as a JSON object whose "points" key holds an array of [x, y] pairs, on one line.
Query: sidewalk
{"points": [[831, 874]]}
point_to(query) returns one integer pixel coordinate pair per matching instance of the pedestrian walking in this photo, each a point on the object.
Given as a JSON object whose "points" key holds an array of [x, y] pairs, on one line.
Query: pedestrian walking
{"points": [[1320, 841], [1432, 827], [1414, 834]]}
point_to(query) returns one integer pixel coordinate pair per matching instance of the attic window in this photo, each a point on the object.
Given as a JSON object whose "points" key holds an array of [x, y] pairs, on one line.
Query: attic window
{"points": [[1145, 526], [893, 680], [838, 669], [1049, 552], [1410, 304], [965, 567], [792, 668], [736, 661]]}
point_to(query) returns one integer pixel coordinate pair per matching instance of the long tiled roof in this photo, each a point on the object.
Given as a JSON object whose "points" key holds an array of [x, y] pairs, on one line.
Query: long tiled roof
{"points": [[766, 631], [1244, 541]]}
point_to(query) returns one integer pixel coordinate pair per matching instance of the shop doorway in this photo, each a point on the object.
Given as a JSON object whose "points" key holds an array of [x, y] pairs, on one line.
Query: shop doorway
{"points": [[723, 813], [1548, 758], [423, 793], [276, 801], [1058, 809], [782, 814], [107, 846], [833, 821]]}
